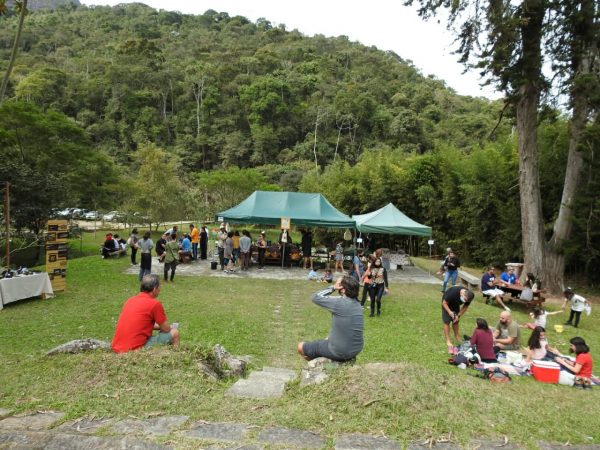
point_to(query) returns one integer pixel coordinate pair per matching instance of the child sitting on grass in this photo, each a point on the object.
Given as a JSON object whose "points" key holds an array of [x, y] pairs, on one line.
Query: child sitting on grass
{"points": [[327, 277], [539, 317], [313, 275]]}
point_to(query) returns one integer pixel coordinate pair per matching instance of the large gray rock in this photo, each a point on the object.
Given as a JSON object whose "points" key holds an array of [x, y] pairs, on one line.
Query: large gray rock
{"points": [[226, 364], [80, 345], [36, 422], [317, 370], [289, 436]]}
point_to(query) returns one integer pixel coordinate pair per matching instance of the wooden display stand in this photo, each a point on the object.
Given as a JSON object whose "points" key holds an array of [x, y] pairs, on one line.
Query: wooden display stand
{"points": [[57, 250]]}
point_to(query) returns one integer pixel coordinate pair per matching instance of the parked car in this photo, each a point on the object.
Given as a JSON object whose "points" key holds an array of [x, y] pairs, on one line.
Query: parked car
{"points": [[92, 215], [65, 213], [112, 216]]}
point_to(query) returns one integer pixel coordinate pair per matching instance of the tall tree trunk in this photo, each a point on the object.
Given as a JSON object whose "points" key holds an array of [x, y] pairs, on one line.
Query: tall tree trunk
{"points": [[583, 46], [555, 258], [15, 50], [532, 220]]}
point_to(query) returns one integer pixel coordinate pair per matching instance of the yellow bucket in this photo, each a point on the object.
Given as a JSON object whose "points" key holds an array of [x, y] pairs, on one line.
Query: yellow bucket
{"points": [[558, 328]]}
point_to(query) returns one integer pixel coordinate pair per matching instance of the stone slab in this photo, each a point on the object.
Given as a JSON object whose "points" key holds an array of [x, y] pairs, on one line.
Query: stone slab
{"points": [[235, 447], [36, 422], [488, 444], [4, 412], [286, 374], [259, 388], [445, 446], [27, 440], [281, 377], [357, 441], [218, 431], [159, 426], [289, 436], [84, 425]]}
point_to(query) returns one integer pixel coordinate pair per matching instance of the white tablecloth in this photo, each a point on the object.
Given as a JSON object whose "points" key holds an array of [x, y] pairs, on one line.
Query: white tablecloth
{"points": [[25, 286]]}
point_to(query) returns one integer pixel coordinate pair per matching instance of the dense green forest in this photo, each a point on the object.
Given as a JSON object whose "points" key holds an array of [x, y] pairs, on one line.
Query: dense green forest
{"points": [[178, 115]]}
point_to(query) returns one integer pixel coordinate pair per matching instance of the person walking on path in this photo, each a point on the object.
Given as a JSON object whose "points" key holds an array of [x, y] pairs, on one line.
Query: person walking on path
{"points": [[450, 268], [306, 244], [171, 257], [221, 238], [378, 285]]}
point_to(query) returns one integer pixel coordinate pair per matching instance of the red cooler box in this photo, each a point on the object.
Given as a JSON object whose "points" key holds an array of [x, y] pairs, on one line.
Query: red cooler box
{"points": [[545, 371]]}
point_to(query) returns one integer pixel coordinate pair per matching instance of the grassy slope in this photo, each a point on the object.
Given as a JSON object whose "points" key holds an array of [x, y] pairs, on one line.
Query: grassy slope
{"points": [[417, 396]]}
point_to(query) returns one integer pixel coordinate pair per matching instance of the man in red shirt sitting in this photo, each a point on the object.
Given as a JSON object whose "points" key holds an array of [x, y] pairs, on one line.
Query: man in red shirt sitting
{"points": [[141, 315]]}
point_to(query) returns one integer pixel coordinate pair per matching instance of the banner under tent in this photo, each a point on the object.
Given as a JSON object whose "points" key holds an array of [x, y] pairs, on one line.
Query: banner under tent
{"points": [[390, 220], [305, 209]]}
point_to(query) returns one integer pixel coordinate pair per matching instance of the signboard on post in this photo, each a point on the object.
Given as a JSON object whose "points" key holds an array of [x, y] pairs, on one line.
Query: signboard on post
{"points": [[57, 250], [286, 223]]}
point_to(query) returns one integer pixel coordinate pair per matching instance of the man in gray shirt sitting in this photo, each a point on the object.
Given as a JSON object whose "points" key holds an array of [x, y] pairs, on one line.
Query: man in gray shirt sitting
{"points": [[345, 339]]}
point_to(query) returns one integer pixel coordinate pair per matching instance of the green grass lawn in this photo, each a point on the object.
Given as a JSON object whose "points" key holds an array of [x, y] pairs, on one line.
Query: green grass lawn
{"points": [[413, 394]]}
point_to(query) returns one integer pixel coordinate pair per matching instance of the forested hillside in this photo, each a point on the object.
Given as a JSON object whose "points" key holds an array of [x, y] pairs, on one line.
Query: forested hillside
{"points": [[220, 106]]}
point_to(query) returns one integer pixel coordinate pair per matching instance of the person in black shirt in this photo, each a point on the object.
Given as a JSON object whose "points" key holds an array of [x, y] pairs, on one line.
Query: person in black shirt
{"points": [[455, 302], [450, 268], [160, 246]]}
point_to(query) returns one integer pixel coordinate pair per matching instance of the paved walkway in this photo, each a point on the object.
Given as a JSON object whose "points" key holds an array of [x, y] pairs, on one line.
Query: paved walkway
{"points": [[44, 430], [410, 274]]}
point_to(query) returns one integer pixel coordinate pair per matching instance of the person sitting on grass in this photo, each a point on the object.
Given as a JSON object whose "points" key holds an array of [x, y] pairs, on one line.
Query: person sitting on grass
{"points": [[507, 333], [538, 348], [345, 339], [539, 317], [327, 276], [483, 339], [313, 275], [141, 315], [109, 246], [582, 367]]}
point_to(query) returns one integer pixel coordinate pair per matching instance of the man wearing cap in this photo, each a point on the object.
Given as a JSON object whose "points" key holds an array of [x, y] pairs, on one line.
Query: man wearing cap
{"points": [[141, 315], [455, 302], [221, 238]]}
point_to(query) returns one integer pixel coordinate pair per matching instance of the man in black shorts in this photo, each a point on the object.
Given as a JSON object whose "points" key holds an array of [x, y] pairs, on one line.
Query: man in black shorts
{"points": [[455, 302], [345, 339]]}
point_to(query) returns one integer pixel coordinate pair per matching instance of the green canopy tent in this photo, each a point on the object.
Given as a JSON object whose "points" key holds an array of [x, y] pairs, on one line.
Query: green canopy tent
{"points": [[390, 220], [308, 209]]}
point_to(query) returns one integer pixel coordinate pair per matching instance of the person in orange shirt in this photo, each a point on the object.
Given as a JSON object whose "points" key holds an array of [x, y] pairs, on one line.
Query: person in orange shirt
{"points": [[195, 238]]}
